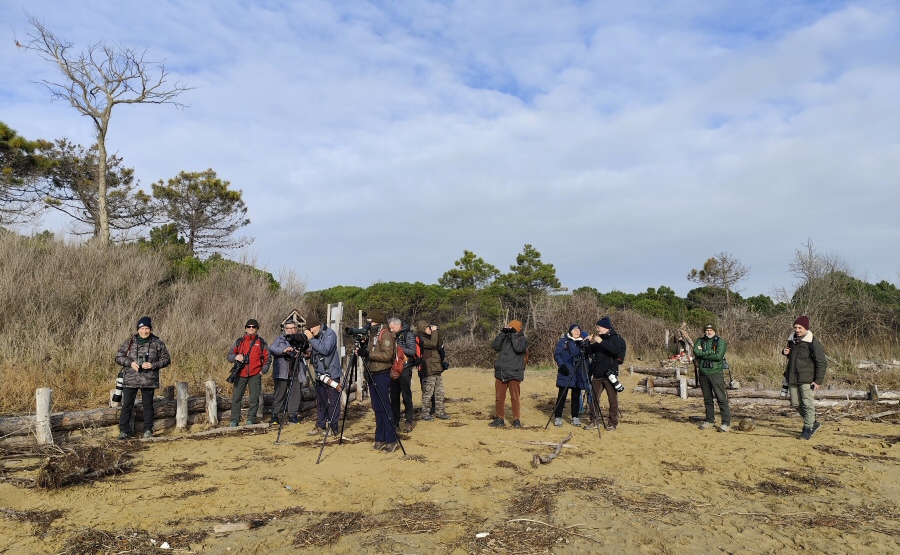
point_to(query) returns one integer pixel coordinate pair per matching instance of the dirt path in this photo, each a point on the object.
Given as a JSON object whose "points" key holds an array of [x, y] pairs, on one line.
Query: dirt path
{"points": [[655, 485]]}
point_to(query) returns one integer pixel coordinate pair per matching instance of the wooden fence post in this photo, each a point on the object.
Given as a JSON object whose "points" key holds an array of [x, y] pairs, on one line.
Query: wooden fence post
{"points": [[42, 417], [682, 388], [181, 406], [212, 411]]}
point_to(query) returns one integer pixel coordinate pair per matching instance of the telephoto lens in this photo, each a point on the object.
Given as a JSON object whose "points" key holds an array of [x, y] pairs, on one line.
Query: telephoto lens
{"points": [[616, 383], [117, 394]]}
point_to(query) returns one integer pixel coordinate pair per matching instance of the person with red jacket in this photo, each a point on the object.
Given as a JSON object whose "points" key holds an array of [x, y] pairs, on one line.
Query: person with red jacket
{"points": [[252, 352]]}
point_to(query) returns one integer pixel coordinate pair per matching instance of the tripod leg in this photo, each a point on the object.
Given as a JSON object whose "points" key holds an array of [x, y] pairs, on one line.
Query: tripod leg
{"points": [[351, 372], [386, 409], [595, 405]]}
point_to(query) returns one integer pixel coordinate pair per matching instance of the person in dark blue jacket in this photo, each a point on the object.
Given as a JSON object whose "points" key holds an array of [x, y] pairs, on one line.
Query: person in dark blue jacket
{"points": [[325, 362], [569, 376]]}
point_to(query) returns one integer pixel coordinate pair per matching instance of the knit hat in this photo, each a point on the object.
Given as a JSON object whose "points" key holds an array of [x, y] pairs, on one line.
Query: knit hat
{"points": [[572, 327], [252, 322], [516, 325], [605, 322], [803, 321], [312, 321], [709, 327], [144, 321], [376, 316]]}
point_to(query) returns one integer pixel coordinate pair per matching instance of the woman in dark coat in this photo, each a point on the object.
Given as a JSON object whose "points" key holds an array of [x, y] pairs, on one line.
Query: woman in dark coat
{"points": [[567, 355], [141, 356]]}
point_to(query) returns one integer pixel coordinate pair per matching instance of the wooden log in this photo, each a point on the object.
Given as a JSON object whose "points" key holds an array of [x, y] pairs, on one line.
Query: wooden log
{"points": [[882, 414], [42, 430], [649, 386], [181, 410], [664, 372], [873, 392], [212, 412], [668, 382], [232, 527], [683, 388]]}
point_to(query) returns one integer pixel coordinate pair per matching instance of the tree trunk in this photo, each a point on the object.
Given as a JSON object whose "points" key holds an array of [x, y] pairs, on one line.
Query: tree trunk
{"points": [[102, 208]]}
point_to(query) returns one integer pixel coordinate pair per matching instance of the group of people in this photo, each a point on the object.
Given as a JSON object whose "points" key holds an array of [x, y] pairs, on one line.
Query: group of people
{"points": [[586, 363]]}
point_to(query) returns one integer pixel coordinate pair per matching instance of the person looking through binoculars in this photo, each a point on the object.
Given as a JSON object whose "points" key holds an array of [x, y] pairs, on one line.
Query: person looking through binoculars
{"points": [[608, 349], [509, 371], [430, 371], [379, 351], [141, 357], [288, 372], [326, 366], [568, 351], [250, 357]]}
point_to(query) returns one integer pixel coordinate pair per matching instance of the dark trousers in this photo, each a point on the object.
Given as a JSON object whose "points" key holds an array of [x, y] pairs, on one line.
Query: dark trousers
{"points": [[401, 388], [714, 386], [129, 394], [599, 385], [293, 403], [255, 383], [561, 402], [328, 406], [379, 392]]}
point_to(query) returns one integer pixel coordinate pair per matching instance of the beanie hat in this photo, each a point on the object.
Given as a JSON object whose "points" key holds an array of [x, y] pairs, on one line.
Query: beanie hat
{"points": [[605, 322], [572, 327], [516, 325], [376, 316], [144, 321], [252, 322], [803, 321], [709, 327], [312, 321]]}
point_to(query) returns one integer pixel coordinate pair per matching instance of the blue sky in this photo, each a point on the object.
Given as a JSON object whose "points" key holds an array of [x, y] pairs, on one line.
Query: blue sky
{"points": [[627, 141]]}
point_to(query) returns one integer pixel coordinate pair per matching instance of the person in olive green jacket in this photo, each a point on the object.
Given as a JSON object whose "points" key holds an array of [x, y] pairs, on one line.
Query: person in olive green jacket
{"points": [[804, 373], [709, 356]]}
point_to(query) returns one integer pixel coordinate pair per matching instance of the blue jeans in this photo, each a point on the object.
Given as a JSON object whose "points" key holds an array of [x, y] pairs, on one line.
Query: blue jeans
{"points": [[380, 395]]}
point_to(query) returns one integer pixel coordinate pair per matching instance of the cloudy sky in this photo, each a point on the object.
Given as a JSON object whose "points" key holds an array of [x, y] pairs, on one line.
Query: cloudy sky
{"points": [[627, 141]]}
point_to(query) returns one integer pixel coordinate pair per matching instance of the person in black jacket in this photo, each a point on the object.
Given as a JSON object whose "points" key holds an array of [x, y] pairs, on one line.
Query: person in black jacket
{"points": [[141, 357], [608, 348], [509, 371]]}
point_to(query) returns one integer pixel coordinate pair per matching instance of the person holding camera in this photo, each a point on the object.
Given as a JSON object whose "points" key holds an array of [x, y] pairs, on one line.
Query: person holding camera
{"points": [[379, 351], [709, 356], [251, 354], [288, 372], [401, 386], [608, 348], [804, 374], [567, 354], [141, 357], [431, 371], [509, 372], [326, 365]]}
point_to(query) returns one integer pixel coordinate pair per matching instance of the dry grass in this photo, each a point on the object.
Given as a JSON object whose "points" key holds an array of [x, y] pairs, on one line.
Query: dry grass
{"points": [[91, 541]]}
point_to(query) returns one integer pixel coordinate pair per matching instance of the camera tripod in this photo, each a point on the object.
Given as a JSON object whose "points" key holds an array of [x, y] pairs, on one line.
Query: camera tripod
{"points": [[582, 364], [292, 373]]}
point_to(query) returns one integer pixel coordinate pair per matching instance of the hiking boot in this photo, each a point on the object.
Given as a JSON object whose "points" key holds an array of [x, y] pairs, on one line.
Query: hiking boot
{"points": [[317, 431], [517, 423], [590, 426], [293, 419], [408, 427], [378, 445], [815, 428], [148, 434], [611, 428], [390, 447], [233, 425], [706, 425], [558, 422], [444, 416], [427, 418], [806, 433], [497, 423], [123, 435], [251, 422], [576, 421], [724, 427]]}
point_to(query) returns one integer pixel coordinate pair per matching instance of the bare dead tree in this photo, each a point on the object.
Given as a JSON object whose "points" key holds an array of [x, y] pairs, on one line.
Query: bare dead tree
{"points": [[96, 80]]}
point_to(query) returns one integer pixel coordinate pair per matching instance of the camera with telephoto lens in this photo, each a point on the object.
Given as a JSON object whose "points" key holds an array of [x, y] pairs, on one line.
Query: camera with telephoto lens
{"points": [[359, 331], [235, 370], [117, 394], [616, 383]]}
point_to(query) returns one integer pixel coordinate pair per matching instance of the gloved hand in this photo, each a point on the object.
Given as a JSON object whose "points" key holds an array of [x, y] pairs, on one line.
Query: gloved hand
{"points": [[563, 370], [363, 352]]}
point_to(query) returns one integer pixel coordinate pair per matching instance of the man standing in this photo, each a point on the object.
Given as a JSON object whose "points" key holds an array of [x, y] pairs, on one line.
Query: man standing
{"points": [[709, 356], [509, 372], [141, 356], [608, 348], [432, 371], [379, 352], [805, 373], [326, 366], [401, 388], [252, 352], [288, 368]]}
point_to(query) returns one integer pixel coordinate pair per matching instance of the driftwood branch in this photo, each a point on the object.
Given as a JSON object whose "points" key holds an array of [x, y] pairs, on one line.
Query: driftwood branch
{"points": [[546, 459]]}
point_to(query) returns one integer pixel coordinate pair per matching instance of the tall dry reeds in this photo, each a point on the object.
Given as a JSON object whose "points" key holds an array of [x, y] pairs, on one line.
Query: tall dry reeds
{"points": [[66, 308]]}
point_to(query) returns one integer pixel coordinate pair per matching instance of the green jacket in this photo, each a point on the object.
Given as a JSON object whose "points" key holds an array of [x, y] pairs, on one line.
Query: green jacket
{"points": [[806, 361], [709, 353]]}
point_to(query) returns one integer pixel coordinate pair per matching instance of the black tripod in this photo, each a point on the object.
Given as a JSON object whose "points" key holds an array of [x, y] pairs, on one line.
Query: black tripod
{"points": [[287, 395], [385, 407], [346, 381]]}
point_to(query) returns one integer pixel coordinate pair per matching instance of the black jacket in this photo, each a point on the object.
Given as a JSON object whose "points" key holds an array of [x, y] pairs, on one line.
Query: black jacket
{"points": [[607, 354]]}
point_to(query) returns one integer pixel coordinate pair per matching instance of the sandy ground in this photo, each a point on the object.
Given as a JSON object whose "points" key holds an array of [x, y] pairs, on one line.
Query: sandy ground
{"points": [[655, 485]]}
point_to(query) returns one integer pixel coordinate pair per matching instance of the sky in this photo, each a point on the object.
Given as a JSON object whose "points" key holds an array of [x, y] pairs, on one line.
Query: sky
{"points": [[626, 141]]}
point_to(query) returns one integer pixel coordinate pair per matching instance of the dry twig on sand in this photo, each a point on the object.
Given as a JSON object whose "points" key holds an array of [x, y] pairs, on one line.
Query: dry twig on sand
{"points": [[546, 459]]}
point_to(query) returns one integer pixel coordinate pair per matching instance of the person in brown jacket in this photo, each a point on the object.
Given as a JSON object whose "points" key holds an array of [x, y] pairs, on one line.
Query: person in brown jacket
{"points": [[431, 371], [379, 354]]}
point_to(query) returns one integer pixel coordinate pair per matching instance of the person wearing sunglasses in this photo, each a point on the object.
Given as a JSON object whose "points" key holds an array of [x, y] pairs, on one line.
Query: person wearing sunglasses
{"points": [[252, 352]]}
